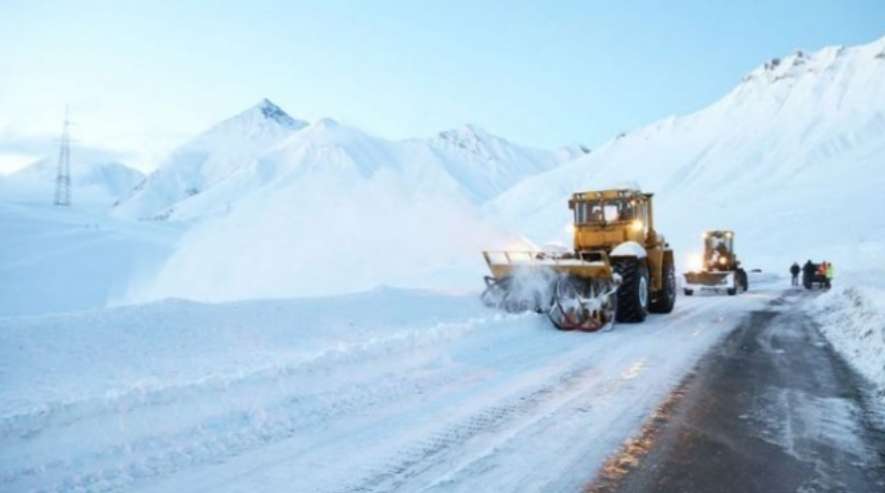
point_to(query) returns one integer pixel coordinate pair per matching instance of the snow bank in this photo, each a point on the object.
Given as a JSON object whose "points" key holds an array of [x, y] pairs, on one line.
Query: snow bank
{"points": [[324, 239], [853, 319], [56, 259], [134, 350]]}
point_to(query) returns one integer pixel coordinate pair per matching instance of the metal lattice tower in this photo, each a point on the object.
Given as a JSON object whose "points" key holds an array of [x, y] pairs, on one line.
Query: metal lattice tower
{"points": [[63, 177]]}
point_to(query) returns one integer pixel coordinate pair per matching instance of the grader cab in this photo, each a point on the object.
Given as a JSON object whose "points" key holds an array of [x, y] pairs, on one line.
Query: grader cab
{"points": [[720, 268], [620, 268]]}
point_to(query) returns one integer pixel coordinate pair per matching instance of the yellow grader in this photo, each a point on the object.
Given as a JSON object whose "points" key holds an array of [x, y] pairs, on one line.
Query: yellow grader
{"points": [[720, 269], [620, 269]]}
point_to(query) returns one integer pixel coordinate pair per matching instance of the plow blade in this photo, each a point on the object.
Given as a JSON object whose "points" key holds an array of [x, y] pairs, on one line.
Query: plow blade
{"points": [[708, 278], [575, 293]]}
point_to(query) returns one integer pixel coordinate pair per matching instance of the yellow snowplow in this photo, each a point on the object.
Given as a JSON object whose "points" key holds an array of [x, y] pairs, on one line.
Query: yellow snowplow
{"points": [[620, 268], [720, 269]]}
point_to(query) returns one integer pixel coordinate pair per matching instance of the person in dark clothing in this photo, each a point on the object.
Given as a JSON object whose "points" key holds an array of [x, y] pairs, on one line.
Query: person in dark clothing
{"points": [[808, 271], [794, 271]]}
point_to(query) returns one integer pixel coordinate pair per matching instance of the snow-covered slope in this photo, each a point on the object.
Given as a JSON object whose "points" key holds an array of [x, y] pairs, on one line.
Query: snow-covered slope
{"points": [[487, 165], [242, 155], [793, 159], [209, 158], [328, 210], [57, 259], [95, 181]]}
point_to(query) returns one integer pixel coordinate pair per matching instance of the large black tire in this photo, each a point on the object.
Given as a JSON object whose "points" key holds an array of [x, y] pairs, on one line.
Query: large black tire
{"points": [[740, 283], [665, 299], [632, 301], [745, 281]]}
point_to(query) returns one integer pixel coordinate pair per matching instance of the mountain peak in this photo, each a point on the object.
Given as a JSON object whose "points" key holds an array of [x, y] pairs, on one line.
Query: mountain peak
{"points": [[467, 132], [801, 62], [273, 112]]}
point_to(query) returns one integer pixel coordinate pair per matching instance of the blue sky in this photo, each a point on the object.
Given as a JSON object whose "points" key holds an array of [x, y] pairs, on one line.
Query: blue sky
{"points": [[143, 76]]}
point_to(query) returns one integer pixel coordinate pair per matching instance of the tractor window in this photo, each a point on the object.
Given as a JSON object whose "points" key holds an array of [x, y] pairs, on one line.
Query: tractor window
{"points": [[602, 212], [612, 212]]}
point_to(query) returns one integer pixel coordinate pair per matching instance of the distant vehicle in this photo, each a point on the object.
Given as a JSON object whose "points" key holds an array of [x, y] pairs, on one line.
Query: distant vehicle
{"points": [[621, 268], [814, 278], [720, 270]]}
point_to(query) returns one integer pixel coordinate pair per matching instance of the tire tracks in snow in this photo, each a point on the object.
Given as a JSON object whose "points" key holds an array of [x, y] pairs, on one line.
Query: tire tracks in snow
{"points": [[469, 445], [286, 411]]}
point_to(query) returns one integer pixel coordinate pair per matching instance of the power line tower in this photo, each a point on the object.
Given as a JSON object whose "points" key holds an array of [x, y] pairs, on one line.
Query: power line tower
{"points": [[63, 177]]}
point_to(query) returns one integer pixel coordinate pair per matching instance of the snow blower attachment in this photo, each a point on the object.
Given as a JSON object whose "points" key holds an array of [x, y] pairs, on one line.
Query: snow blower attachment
{"points": [[721, 270], [621, 268]]}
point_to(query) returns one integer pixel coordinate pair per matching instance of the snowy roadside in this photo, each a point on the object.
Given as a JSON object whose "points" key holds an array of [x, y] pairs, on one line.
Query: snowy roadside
{"points": [[853, 319]]}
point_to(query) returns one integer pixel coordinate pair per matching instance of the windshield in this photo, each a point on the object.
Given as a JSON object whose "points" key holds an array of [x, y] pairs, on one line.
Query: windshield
{"points": [[719, 243], [604, 211]]}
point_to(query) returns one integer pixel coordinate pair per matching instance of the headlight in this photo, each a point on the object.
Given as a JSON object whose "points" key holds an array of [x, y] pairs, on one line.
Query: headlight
{"points": [[636, 225], [722, 260]]}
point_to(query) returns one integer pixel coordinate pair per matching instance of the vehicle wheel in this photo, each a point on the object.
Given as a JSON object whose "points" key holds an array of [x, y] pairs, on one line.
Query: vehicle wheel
{"points": [[633, 294], [745, 284], [666, 298], [688, 292]]}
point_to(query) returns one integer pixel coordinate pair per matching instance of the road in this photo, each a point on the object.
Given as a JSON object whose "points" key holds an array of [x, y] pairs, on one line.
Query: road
{"points": [[773, 408]]}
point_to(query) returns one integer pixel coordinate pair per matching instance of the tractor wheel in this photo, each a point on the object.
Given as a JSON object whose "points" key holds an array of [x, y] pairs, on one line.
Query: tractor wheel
{"points": [[745, 282], [633, 294], [666, 297], [688, 292]]}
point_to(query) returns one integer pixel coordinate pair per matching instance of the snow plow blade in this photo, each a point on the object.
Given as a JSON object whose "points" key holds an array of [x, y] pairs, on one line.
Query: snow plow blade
{"points": [[707, 278], [575, 293], [505, 264]]}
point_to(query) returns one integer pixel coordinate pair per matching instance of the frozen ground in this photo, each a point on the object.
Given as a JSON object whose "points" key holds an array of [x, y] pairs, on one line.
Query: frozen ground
{"points": [[390, 389], [771, 408]]}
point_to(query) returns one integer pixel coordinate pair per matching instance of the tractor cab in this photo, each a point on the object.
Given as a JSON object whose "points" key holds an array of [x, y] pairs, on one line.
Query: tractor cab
{"points": [[721, 270], [605, 219], [719, 251]]}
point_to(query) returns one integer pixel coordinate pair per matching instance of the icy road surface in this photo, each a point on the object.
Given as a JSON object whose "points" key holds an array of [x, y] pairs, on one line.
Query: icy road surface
{"points": [[387, 390], [771, 408]]}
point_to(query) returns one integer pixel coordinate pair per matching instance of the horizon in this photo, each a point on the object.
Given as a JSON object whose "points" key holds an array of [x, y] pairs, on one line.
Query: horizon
{"points": [[135, 94]]}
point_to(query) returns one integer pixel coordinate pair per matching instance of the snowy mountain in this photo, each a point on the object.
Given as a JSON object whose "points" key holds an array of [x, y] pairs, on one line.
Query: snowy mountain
{"points": [[487, 165], [95, 181], [791, 158], [209, 158], [263, 144], [329, 209], [333, 204]]}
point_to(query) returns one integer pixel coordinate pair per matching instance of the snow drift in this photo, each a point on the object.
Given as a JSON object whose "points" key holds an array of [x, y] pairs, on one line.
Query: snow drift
{"points": [[328, 224], [56, 259], [326, 208], [853, 319]]}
